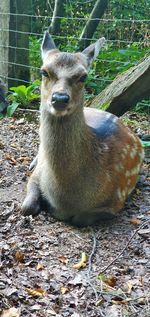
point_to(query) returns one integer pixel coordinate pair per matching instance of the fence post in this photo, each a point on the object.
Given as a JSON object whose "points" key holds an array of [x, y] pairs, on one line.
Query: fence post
{"points": [[4, 38], [19, 29]]}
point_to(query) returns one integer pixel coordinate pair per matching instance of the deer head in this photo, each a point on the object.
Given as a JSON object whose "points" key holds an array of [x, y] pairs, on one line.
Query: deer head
{"points": [[64, 75]]}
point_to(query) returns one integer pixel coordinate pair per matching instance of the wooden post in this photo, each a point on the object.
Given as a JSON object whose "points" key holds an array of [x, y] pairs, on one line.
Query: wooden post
{"points": [[4, 38]]}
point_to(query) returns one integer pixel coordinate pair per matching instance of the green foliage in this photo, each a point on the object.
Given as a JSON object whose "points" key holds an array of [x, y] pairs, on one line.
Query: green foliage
{"points": [[125, 25], [143, 106], [146, 143], [12, 108], [34, 56], [22, 96]]}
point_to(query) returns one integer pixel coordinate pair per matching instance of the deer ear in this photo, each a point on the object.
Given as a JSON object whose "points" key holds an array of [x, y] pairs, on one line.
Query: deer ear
{"points": [[47, 44], [92, 51]]}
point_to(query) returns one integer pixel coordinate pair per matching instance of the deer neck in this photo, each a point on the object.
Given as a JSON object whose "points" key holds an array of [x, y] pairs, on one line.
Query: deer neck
{"points": [[66, 141]]}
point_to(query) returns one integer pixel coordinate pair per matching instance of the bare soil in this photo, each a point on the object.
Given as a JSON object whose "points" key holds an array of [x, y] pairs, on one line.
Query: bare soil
{"points": [[37, 272]]}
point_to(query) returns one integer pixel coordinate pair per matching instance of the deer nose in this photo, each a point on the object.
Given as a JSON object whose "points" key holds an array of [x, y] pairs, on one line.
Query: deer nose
{"points": [[60, 100]]}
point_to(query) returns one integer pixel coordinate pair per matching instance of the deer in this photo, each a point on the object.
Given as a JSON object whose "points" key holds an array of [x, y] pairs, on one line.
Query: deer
{"points": [[88, 161]]}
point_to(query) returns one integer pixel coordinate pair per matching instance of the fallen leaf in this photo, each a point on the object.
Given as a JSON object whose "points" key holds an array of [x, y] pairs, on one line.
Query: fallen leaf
{"points": [[19, 256], [64, 290], [111, 281], [63, 259], [36, 292], [119, 301], [102, 277], [135, 221], [82, 263], [10, 158], [100, 302], [39, 267], [28, 173], [130, 286], [14, 145], [11, 312], [22, 158]]}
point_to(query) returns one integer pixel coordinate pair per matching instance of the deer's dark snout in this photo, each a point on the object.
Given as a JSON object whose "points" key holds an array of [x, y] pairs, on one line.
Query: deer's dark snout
{"points": [[60, 100]]}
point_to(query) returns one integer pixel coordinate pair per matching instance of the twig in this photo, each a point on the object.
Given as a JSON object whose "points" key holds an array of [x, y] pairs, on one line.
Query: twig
{"points": [[93, 251], [90, 264], [28, 110], [126, 246]]}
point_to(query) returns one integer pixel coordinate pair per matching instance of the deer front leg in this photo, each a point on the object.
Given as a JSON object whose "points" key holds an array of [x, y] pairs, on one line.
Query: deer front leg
{"points": [[33, 200]]}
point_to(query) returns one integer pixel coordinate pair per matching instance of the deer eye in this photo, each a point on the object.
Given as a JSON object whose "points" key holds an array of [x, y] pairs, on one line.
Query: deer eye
{"points": [[83, 78], [44, 73]]}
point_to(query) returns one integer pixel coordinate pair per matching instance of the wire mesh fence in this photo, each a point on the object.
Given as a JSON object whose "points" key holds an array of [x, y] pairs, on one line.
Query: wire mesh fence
{"points": [[125, 26]]}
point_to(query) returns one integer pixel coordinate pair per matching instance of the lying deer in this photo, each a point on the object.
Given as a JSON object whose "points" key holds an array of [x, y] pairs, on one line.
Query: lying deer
{"points": [[88, 161]]}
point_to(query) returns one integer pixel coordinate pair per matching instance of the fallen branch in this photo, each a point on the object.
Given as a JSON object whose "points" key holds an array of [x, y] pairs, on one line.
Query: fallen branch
{"points": [[126, 90], [126, 246]]}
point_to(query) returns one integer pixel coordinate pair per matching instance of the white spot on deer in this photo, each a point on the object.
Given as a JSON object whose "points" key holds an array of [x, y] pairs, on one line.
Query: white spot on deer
{"points": [[119, 194], [123, 156], [125, 151], [135, 170], [119, 167], [123, 194], [133, 153], [129, 182], [128, 173]]}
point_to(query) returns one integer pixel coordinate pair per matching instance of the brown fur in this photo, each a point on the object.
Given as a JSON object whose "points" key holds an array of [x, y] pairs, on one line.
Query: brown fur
{"points": [[79, 174]]}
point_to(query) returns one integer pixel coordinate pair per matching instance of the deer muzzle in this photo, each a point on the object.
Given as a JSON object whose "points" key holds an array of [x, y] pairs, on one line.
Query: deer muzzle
{"points": [[60, 101]]}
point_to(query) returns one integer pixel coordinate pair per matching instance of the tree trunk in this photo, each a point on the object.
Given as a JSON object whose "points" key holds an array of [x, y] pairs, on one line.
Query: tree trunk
{"points": [[4, 38], [126, 90], [92, 23], [19, 71], [59, 12]]}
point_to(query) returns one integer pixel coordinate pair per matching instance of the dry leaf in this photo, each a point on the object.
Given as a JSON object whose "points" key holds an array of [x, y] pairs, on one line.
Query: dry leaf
{"points": [[130, 286], [11, 312], [22, 158], [135, 221], [63, 259], [10, 158], [111, 281], [19, 256], [119, 301], [82, 263], [100, 302], [64, 290], [14, 145], [28, 173], [36, 292], [39, 267]]}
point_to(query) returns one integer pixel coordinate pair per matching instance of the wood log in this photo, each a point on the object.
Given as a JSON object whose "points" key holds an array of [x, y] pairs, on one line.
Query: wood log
{"points": [[126, 90]]}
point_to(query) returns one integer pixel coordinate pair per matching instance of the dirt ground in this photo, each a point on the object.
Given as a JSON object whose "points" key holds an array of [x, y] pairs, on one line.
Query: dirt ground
{"points": [[49, 268]]}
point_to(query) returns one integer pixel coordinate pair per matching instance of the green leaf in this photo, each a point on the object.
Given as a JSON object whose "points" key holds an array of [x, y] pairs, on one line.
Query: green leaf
{"points": [[11, 108], [102, 277], [146, 143], [1, 116]]}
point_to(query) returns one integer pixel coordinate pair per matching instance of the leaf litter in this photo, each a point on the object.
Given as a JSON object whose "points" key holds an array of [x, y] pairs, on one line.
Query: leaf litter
{"points": [[41, 270]]}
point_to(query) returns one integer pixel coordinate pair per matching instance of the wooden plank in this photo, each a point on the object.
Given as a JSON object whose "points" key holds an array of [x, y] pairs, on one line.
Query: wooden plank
{"points": [[126, 90]]}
